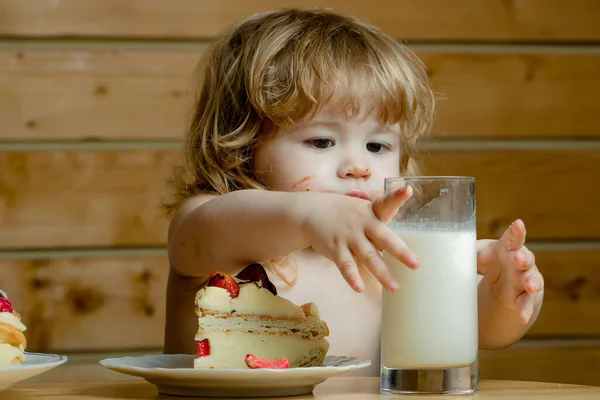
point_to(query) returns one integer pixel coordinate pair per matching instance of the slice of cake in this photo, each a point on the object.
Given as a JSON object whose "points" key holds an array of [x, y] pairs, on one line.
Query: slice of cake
{"points": [[12, 339], [244, 323]]}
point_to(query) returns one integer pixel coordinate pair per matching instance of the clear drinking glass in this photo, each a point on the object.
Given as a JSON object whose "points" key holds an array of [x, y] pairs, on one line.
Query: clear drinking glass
{"points": [[429, 336]]}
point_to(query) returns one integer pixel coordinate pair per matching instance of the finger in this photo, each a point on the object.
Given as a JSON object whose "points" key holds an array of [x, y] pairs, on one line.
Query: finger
{"points": [[385, 207], [376, 246], [348, 268], [386, 240], [533, 283], [485, 245], [524, 305], [523, 259], [514, 237], [486, 258], [368, 255]]}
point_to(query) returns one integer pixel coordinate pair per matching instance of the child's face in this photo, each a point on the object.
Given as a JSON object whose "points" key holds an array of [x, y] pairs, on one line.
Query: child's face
{"points": [[332, 154]]}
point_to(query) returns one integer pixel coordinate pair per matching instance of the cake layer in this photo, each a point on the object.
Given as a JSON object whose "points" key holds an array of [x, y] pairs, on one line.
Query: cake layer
{"points": [[228, 349], [10, 355], [306, 328], [10, 335], [252, 299], [12, 320]]}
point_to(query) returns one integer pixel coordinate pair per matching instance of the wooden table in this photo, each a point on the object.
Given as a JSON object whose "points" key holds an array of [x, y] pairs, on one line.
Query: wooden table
{"points": [[341, 388]]}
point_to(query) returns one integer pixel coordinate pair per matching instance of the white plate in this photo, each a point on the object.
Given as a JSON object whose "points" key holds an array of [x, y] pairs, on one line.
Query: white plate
{"points": [[174, 374], [34, 364]]}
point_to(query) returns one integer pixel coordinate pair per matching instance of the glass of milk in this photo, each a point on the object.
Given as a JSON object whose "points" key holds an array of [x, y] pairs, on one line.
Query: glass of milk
{"points": [[429, 330]]}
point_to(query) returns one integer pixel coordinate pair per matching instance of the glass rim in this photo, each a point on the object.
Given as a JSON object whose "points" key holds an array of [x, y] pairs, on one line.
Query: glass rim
{"points": [[432, 177]]}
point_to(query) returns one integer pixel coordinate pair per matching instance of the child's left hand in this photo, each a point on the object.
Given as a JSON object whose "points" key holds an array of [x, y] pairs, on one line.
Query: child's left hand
{"points": [[510, 268]]}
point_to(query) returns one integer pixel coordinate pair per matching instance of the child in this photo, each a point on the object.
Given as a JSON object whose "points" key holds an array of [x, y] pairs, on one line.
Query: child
{"points": [[301, 116]]}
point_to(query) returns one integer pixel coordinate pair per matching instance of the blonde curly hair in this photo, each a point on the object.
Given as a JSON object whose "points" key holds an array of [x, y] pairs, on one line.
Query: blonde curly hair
{"points": [[277, 67]]}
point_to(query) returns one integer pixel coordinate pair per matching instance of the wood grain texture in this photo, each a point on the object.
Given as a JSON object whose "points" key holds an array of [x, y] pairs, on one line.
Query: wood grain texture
{"points": [[90, 95], [531, 20], [572, 294], [89, 304], [116, 302], [87, 198], [568, 363], [555, 192], [515, 95], [145, 94]]}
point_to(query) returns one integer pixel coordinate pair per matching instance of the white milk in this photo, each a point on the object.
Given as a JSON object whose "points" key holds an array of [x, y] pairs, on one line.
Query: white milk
{"points": [[431, 321]]}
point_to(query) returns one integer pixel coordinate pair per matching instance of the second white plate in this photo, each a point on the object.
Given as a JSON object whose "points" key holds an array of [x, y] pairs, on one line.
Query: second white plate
{"points": [[173, 374]]}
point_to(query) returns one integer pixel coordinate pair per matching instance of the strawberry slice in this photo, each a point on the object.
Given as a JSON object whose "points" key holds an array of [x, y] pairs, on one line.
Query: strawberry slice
{"points": [[204, 348], [225, 281], [256, 273], [256, 362], [5, 305]]}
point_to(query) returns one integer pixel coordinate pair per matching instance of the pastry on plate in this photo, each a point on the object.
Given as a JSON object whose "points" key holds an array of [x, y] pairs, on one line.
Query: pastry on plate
{"points": [[244, 323], [12, 338]]}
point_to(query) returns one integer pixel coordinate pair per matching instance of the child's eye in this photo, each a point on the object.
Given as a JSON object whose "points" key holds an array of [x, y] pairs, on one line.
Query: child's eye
{"points": [[321, 143], [376, 147]]}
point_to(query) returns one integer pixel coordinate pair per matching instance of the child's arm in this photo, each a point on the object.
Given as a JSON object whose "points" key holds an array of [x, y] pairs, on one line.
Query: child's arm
{"points": [[230, 231], [510, 293]]}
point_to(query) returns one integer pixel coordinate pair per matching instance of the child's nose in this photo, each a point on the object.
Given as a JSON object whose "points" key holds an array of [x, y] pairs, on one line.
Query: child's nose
{"points": [[357, 172]]}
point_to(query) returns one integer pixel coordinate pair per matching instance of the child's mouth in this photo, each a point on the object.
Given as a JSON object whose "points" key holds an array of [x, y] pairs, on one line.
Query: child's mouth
{"points": [[358, 193]]}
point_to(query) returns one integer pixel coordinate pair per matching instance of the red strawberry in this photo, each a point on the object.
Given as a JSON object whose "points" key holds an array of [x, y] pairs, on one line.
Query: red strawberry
{"points": [[225, 281], [204, 348], [5, 305], [256, 273], [255, 362]]}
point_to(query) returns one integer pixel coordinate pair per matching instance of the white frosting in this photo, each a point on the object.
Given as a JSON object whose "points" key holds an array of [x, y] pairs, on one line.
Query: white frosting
{"points": [[214, 298], [12, 320], [8, 354], [252, 299]]}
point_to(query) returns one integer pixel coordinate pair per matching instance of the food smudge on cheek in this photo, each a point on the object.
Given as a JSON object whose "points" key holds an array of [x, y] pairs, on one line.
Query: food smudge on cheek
{"points": [[307, 184], [303, 185]]}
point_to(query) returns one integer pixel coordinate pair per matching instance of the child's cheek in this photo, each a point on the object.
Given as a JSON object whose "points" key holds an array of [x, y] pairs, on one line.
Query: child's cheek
{"points": [[303, 185]]}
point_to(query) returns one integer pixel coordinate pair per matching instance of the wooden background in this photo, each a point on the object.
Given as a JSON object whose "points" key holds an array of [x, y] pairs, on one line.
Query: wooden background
{"points": [[93, 97]]}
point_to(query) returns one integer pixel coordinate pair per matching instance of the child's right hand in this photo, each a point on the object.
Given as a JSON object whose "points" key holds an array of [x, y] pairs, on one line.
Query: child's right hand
{"points": [[349, 230]]}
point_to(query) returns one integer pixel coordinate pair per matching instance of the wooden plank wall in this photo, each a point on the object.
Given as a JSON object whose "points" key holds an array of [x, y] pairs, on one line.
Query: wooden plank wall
{"points": [[93, 97]]}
